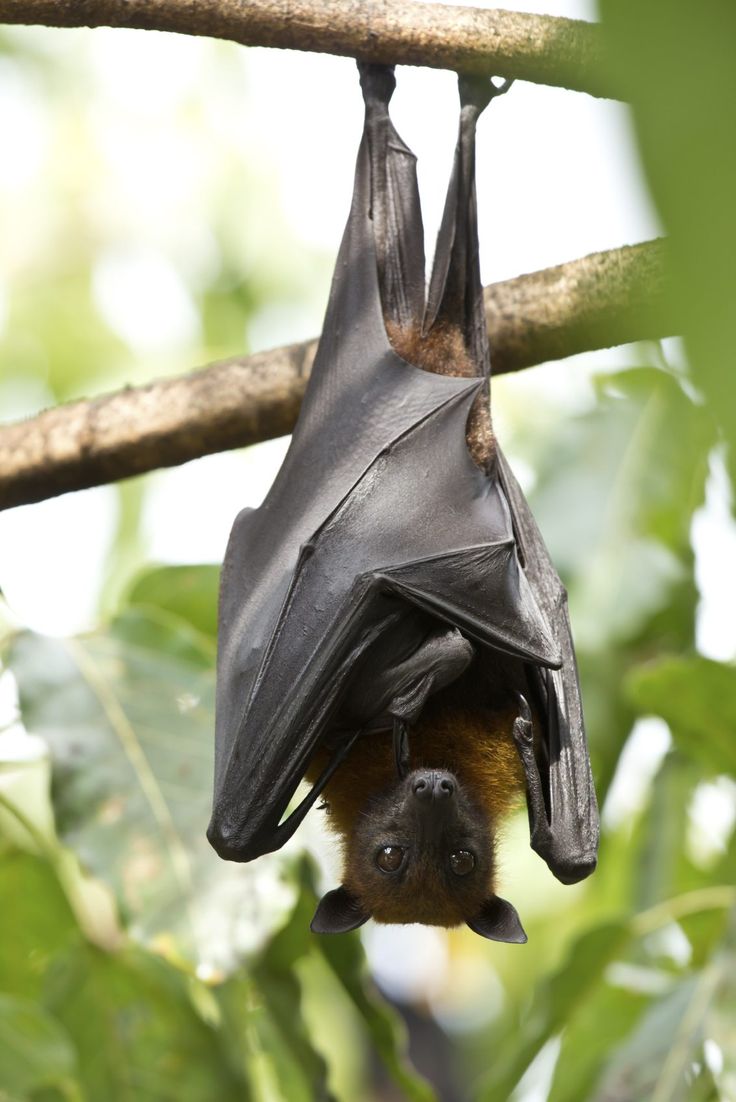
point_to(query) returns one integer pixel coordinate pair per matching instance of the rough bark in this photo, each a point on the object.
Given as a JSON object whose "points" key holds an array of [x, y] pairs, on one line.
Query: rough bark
{"points": [[600, 300], [566, 53]]}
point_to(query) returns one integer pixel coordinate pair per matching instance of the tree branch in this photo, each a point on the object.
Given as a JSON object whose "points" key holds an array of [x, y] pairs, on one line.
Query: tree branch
{"points": [[566, 53], [604, 299]]}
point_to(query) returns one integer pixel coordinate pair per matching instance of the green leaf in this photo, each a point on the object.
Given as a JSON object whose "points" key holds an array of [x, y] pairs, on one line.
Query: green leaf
{"points": [[189, 592], [662, 865], [126, 724], [635, 467], [155, 629], [129, 716], [36, 923], [136, 1029], [345, 959], [130, 1017], [610, 1015], [300, 1069], [720, 1025], [697, 698], [663, 1060], [557, 1000], [265, 1009], [35, 1051], [266, 1031], [675, 61]]}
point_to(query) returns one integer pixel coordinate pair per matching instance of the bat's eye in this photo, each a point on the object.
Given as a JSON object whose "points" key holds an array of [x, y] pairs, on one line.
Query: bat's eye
{"points": [[462, 862], [389, 858]]}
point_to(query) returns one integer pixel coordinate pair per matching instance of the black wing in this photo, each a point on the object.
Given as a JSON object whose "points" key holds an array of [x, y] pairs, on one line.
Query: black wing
{"points": [[379, 531], [563, 810], [361, 398]]}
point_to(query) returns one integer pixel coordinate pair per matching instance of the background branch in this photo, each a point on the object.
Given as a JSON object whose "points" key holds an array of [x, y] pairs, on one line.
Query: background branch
{"points": [[548, 50], [600, 300]]}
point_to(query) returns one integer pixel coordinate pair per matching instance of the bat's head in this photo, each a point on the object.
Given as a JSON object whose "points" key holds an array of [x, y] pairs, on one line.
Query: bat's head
{"points": [[422, 851]]}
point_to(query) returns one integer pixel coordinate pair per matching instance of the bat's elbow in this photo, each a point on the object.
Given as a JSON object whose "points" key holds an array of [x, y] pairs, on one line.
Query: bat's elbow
{"points": [[569, 861], [228, 841], [572, 869]]}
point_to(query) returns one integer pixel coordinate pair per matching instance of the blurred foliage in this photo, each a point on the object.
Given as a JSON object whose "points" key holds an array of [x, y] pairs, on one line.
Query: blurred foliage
{"points": [[110, 273], [134, 963], [676, 62], [127, 715]]}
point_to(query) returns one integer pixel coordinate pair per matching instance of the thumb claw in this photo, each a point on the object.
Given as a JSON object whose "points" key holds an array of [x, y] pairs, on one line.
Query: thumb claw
{"points": [[524, 709], [522, 730]]}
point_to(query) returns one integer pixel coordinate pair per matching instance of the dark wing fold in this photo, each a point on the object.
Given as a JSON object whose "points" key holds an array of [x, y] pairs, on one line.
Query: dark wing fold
{"points": [[481, 591], [565, 829]]}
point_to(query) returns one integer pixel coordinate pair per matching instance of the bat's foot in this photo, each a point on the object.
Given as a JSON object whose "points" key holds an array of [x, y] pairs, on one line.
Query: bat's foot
{"points": [[377, 81], [479, 91], [502, 88]]}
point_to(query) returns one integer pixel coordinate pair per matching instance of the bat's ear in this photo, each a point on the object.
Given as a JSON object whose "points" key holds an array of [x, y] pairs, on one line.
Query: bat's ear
{"points": [[498, 921], [338, 912]]}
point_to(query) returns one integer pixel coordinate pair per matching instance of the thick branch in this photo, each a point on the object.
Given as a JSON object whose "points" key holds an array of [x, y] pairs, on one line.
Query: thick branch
{"points": [[601, 300], [564, 52]]}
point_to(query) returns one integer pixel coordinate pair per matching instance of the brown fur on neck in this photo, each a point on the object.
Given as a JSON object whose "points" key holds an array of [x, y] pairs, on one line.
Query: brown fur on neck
{"points": [[474, 744], [443, 352]]}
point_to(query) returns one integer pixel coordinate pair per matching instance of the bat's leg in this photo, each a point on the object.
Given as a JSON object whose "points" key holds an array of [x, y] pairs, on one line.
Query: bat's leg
{"points": [[401, 746], [438, 662], [455, 296], [390, 689], [539, 826], [394, 203]]}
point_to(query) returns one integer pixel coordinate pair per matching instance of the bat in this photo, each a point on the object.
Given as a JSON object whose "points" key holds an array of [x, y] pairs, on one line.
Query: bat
{"points": [[391, 626]]}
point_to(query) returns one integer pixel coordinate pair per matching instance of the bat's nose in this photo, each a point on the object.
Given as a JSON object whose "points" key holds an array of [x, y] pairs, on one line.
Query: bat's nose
{"points": [[433, 784]]}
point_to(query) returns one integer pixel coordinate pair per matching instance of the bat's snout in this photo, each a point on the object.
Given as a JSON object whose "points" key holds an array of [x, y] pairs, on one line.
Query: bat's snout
{"points": [[432, 784], [434, 805]]}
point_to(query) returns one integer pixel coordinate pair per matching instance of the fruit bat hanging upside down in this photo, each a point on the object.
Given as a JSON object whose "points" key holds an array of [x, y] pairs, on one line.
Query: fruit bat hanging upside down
{"points": [[391, 626]]}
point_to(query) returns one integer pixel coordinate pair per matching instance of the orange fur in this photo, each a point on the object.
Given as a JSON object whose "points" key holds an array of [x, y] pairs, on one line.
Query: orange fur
{"points": [[475, 745], [443, 352]]}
